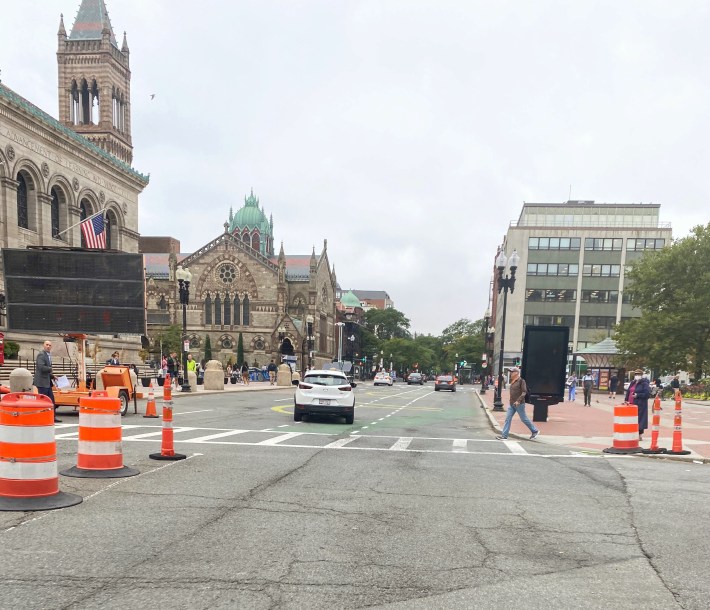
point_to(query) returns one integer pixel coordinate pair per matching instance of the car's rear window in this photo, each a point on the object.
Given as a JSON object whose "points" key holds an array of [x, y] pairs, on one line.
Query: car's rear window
{"points": [[445, 378], [325, 380]]}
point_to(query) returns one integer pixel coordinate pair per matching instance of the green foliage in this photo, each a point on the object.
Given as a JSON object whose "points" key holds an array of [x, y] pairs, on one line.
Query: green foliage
{"points": [[11, 350], [208, 348], [671, 287], [387, 323], [240, 349], [170, 338]]}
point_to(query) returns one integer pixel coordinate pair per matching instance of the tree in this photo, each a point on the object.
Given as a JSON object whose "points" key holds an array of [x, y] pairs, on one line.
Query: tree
{"points": [[170, 339], [671, 287], [387, 323], [240, 350], [208, 348]]}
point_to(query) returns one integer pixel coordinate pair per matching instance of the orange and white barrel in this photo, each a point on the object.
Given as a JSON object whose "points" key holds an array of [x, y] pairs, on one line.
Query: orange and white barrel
{"points": [[167, 442], [626, 430], [100, 452], [28, 455]]}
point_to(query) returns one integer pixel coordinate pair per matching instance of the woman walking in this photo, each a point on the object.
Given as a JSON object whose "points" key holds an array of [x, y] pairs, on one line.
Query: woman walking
{"points": [[638, 393]]}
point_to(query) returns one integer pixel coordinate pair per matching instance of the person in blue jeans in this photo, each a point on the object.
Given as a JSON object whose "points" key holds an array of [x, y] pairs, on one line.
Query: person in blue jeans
{"points": [[572, 385], [517, 390]]}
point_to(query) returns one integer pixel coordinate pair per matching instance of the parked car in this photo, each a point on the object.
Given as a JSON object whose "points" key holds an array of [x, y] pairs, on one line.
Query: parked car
{"points": [[383, 378], [415, 378], [324, 392], [445, 382]]}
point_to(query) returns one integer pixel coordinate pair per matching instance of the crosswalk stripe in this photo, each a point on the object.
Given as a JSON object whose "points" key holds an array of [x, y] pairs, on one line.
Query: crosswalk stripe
{"points": [[341, 442], [209, 437], [459, 444], [277, 439], [401, 444], [515, 447]]}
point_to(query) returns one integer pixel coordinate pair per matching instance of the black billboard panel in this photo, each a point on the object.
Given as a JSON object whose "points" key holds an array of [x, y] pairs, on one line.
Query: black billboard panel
{"points": [[544, 365], [74, 291]]}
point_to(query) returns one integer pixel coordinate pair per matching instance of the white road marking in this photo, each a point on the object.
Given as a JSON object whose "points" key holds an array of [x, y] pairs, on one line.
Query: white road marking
{"points": [[402, 444], [189, 412], [341, 442], [515, 447], [209, 437], [459, 444], [277, 439]]}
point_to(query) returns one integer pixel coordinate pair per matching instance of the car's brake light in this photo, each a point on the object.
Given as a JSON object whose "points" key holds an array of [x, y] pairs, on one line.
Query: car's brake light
{"points": [[304, 386], [345, 388]]}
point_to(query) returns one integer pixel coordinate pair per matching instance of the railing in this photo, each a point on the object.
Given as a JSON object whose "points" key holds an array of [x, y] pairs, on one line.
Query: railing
{"points": [[63, 366]]}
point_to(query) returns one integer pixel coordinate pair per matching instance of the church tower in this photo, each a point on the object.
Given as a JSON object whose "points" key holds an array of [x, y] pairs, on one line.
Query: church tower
{"points": [[95, 81]]}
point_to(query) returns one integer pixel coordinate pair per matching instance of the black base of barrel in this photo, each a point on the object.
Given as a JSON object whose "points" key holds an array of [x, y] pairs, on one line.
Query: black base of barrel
{"points": [[58, 500], [111, 473], [160, 456], [616, 451]]}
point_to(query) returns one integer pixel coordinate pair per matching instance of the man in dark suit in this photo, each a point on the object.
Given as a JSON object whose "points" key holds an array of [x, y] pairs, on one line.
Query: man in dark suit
{"points": [[43, 374]]}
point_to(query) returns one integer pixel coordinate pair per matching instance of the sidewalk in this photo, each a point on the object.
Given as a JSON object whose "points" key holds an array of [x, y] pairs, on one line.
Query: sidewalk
{"points": [[571, 424], [254, 386]]}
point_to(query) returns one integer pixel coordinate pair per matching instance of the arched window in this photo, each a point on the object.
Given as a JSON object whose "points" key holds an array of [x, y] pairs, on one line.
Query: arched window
{"points": [[208, 309], [217, 310], [162, 303], [23, 212], [227, 310], [84, 206], [55, 214], [245, 237], [111, 230], [255, 243], [237, 309], [245, 311]]}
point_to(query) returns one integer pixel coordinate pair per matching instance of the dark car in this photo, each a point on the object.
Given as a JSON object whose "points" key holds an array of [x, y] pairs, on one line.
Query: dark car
{"points": [[415, 378], [445, 382]]}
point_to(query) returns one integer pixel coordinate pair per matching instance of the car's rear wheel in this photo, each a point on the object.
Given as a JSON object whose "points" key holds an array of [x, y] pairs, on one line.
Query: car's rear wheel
{"points": [[436, 389], [297, 415], [350, 418]]}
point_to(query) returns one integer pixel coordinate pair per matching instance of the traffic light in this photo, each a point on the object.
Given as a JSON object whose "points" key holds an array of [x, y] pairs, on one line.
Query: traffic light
{"points": [[517, 361]]}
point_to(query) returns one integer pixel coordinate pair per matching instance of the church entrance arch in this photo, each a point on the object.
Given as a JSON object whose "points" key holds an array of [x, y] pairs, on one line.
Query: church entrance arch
{"points": [[287, 347]]}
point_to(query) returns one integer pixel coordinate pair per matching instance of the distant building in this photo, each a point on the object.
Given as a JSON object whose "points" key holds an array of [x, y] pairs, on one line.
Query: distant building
{"points": [[374, 299], [573, 260]]}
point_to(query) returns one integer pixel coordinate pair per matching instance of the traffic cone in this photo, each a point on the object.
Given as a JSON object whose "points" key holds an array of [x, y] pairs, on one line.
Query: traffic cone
{"points": [[678, 427], [167, 449], [655, 428], [626, 430], [150, 407]]}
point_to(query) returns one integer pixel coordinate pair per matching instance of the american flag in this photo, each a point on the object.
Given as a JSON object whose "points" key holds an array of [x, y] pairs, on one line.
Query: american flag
{"points": [[94, 231]]}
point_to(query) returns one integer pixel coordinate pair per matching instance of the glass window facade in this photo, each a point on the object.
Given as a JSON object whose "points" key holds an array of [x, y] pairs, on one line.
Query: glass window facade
{"points": [[559, 269], [641, 244], [548, 320], [597, 322], [554, 243], [601, 270], [553, 295], [603, 244]]}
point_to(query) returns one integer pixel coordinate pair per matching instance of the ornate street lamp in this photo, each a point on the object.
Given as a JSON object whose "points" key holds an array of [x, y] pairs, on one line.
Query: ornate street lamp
{"points": [[340, 326], [484, 359], [311, 339], [505, 284], [184, 277]]}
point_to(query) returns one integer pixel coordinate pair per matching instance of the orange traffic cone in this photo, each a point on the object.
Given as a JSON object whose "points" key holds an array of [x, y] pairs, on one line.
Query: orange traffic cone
{"points": [[167, 448], [626, 430], [150, 407], [678, 427], [655, 428]]}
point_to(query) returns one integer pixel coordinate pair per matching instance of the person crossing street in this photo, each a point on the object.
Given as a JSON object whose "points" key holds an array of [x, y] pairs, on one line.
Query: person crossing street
{"points": [[517, 391]]}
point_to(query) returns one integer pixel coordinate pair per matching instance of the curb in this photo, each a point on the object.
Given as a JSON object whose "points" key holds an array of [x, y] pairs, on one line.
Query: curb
{"points": [[659, 456]]}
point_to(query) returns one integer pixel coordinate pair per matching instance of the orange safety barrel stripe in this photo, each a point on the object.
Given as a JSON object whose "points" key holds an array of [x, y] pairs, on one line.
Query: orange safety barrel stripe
{"points": [[42, 452], [625, 410], [111, 435], [99, 462], [17, 488], [40, 415]]}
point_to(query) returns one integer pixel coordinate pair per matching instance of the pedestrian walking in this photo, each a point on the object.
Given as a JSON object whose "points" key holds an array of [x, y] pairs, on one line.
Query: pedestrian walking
{"points": [[172, 366], [638, 394], [516, 398], [587, 383], [43, 376], [245, 373], [613, 385], [272, 372], [572, 385]]}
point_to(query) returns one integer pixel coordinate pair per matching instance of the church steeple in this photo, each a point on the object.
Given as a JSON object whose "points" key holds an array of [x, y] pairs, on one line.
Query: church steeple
{"points": [[95, 81]]}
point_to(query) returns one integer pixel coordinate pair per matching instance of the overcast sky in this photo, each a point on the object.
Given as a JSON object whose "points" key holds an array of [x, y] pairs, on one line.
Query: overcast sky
{"points": [[407, 133]]}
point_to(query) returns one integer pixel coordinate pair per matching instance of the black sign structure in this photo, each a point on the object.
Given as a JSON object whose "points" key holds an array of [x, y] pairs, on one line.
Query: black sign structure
{"points": [[74, 291], [544, 366]]}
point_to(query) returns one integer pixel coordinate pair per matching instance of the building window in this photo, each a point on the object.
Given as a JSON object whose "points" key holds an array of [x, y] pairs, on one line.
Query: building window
{"points": [[558, 269], [55, 213], [550, 295], [208, 309], [227, 311], [639, 245], [548, 320], [162, 303], [554, 243], [245, 310], [237, 309], [600, 296], [601, 270], [323, 335], [602, 244], [23, 214], [597, 322], [217, 310]]}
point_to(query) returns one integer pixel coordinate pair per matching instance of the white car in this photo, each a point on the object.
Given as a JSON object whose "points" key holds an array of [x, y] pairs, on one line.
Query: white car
{"points": [[383, 378], [325, 392]]}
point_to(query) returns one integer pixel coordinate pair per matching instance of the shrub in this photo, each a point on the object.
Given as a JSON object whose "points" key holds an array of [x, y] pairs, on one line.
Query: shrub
{"points": [[11, 350]]}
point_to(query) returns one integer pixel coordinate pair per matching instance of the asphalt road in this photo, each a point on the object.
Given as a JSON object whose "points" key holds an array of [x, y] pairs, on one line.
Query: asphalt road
{"points": [[415, 505]]}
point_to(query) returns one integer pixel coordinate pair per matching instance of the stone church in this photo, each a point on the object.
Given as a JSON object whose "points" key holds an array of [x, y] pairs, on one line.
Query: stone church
{"points": [[56, 172], [282, 305]]}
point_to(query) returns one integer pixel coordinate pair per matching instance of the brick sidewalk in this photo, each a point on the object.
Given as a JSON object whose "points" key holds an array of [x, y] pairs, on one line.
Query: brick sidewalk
{"points": [[571, 424]]}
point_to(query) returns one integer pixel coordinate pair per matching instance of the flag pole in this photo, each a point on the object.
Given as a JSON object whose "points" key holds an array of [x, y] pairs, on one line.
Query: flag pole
{"points": [[78, 223]]}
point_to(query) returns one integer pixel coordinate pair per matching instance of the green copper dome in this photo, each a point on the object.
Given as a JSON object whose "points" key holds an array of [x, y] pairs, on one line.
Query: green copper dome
{"points": [[251, 218], [350, 300]]}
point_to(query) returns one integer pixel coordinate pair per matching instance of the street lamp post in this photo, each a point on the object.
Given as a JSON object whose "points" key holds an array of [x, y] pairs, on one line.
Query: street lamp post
{"points": [[184, 277], [505, 284], [485, 363], [310, 338], [340, 326]]}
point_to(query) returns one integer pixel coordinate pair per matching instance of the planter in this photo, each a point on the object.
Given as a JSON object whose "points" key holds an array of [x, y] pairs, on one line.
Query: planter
{"points": [[145, 381], [226, 380], [161, 381], [200, 380], [233, 380]]}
